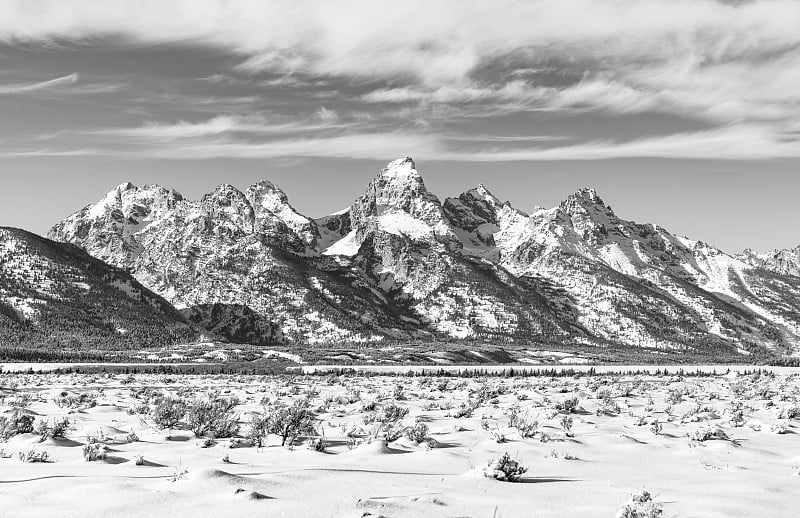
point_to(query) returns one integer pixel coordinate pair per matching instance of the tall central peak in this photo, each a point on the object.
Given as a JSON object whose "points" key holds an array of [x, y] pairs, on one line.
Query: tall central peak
{"points": [[396, 181], [401, 167], [398, 188]]}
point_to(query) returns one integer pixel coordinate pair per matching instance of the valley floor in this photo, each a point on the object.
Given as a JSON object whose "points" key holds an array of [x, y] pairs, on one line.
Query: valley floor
{"points": [[709, 446]]}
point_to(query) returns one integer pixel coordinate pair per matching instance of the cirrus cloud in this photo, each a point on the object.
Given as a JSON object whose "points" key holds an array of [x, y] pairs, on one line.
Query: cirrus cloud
{"points": [[21, 88]]}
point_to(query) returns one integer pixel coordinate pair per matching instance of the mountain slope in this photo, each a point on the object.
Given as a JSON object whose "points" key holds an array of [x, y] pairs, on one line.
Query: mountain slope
{"points": [[631, 283], [55, 296]]}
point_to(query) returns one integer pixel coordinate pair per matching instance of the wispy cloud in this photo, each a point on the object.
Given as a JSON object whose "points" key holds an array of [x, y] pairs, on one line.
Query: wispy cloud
{"points": [[360, 146], [737, 142], [21, 88], [731, 143], [254, 124], [511, 91]]}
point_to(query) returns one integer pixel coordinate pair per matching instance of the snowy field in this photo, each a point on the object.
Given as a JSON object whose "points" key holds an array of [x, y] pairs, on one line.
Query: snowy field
{"points": [[194, 446]]}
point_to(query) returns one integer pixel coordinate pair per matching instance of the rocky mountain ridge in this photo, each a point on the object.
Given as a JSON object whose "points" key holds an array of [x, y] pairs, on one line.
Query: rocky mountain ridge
{"points": [[399, 264], [782, 261]]}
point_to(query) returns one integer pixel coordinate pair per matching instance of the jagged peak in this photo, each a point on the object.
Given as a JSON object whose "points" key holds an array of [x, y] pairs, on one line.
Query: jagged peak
{"points": [[153, 187], [269, 202], [588, 194], [264, 190], [124, 186], [398, 188], [402, 163], [482, 193], [115, 195], [402, 170], [265, 194], [225, 188], [397, 180], [583, 199], [225, 191], [264, 185], [122, 195]]}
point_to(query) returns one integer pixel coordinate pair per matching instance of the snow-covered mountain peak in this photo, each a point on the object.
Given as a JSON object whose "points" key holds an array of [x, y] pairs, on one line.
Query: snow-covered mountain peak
{"points": [[226, 195], [401, 167], [783, 261], [589, 194], [484, 224], [108, 223], [224, 191], [270, 202], [265, 185], [229, 209], [128, 203], [587, 214], [582, 200], [398, 188], [397, 177], [125, 186], [266, 194]]}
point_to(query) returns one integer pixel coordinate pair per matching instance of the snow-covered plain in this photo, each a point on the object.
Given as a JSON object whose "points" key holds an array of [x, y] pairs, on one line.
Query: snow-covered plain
{"points": [[625, 434]]}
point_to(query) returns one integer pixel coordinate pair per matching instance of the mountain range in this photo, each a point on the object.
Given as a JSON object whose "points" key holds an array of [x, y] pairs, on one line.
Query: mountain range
{"points": [[401, 265]]}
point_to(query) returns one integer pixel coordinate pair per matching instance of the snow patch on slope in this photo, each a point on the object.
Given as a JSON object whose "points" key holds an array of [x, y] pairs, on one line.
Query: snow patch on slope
{"points": [[348, 245], [404, 224]]}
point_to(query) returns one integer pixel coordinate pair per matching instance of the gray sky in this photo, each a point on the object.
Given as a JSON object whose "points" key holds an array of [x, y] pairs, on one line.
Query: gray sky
{"points": [[684, 113]]}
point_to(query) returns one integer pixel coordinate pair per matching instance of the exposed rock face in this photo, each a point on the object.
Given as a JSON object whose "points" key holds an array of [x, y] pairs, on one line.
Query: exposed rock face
{"points": [[482, 221], [784, 262], [274, 214], [114, 221], [400, 264], [333, 228]]}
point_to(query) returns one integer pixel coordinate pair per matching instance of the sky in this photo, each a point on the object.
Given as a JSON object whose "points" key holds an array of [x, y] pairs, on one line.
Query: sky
{"points": [[684, 113]]}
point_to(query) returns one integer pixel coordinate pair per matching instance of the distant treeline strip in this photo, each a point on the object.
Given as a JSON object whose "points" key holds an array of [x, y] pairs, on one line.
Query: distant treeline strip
{"points": [[533, 372]]}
